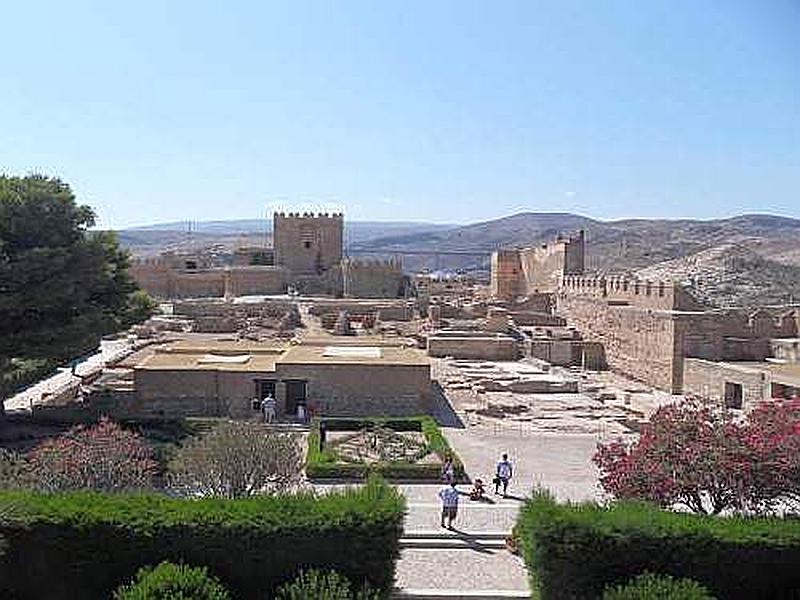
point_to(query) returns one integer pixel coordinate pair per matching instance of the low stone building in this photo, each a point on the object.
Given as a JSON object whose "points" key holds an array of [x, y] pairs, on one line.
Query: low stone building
{"points": [[740, 384], [229, 379]]}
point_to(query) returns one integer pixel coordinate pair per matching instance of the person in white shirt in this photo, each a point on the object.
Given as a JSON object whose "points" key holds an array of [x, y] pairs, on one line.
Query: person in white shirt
{"points": [[268, 408], [503, 475], [449, 496]]}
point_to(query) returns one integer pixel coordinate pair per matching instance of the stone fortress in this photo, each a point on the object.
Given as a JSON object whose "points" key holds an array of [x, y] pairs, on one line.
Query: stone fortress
{"points": [[658, 333], [307, 255], [543, 342]]}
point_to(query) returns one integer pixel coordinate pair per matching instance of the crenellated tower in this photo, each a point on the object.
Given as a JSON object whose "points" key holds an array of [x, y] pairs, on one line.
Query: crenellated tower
{"points": [[308, 243]]}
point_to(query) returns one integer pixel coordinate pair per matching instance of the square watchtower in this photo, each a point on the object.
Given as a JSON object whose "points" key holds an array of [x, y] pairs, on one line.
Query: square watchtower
{"points": [[308, 243]]}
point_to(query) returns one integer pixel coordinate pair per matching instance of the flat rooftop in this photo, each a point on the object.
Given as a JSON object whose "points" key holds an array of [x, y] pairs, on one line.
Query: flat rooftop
{"points": [[206, 361], [209, 354], [334, 354], [787, 373], [204, 354]]}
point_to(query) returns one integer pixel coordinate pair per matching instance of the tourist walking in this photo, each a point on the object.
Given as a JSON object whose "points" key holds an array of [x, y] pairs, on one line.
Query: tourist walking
{"points": [[449, 496], [268, 408], [448, 470], [502, 475]]}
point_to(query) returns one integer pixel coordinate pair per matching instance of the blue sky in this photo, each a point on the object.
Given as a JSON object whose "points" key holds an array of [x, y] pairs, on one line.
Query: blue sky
{"points": [[434, 111]]}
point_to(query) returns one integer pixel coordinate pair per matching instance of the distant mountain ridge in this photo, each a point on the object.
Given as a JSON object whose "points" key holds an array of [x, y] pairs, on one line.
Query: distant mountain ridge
{"points": [[147, 240], [612, 246]]}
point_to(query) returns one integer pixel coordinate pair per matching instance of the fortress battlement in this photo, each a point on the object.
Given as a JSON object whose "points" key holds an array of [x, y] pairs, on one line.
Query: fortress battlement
{"points": [[309, 215], [373, 263], [622, 290]]}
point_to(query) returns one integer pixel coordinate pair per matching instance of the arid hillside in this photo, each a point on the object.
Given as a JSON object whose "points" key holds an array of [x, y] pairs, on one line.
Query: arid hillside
{"points": [[732, 275]]}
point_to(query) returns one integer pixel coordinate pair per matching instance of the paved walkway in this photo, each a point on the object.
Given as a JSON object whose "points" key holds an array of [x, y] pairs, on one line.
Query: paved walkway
{"points": [[561, 463]]}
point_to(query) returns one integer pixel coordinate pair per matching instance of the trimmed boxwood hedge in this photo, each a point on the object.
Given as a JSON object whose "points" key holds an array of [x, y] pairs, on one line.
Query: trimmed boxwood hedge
{"points": [[321, 464], [83, 545], [575, 551]]}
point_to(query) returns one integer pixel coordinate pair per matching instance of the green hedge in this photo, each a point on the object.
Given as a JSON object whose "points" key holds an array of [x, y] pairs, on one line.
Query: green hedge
{"points": [[85, 544], [321, 464], [575, 551]]}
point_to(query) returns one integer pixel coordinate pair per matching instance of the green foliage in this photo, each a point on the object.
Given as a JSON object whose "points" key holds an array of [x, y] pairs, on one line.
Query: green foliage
{"points": [[140, 308], [649, 586], [91, 541], [15, 474], [323, 585], [575, 551], [323, 464], [21, 373], [169, 581], [61, 287]]}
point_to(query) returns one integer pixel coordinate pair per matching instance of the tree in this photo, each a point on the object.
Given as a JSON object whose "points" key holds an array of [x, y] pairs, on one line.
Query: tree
{"points": [[236, 459], [691, 455], [102, 457], [62, 287], [140, 308]]}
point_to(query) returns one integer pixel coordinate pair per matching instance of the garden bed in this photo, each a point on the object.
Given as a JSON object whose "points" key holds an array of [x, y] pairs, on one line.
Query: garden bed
{"points": [[411, 448]]}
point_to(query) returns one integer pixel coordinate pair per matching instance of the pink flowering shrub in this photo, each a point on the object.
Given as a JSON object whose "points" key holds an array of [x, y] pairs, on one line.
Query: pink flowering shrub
{"points": [[691, 455], [101, 457]]}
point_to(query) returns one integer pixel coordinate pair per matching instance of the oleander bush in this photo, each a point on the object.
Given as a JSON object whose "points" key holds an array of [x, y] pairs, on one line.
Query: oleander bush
{"points": [[649, 586], [61, 543], [169, 581], [709, 461], [577, 550], [101, 456], [324, 585], [321, 463]]}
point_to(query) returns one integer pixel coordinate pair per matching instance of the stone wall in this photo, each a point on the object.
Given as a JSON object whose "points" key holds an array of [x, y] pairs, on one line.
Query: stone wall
{"points": [[536, 270], [362, 389], [472, 345], [164, 282], [386, 310], [373, 278], [196, 392], [640, 343], [308, 243], [257, 281]]}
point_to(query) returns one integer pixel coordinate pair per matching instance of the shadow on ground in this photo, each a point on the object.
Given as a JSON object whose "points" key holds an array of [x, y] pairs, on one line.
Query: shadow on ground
{"points": [[441, 410]]}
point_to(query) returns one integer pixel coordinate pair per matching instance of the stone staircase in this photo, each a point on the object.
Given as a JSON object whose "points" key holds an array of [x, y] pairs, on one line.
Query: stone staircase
{"points": [[437, 564], [454, 540]]}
